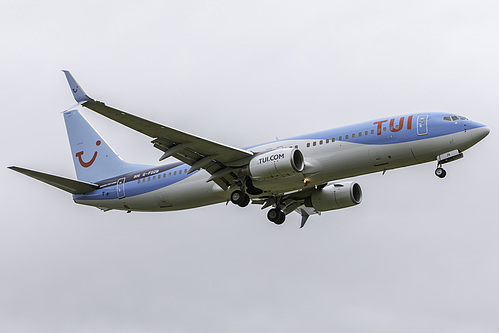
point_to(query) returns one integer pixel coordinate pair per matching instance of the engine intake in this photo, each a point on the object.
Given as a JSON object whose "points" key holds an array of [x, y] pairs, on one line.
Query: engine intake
{"points": [[336, 196], [279, 163]]}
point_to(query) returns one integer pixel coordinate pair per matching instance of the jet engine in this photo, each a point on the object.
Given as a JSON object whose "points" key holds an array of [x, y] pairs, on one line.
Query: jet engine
{"points": [[276, 163], [335, 196]]}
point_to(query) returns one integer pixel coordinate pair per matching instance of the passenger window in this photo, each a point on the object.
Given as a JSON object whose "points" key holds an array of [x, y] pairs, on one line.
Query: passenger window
{"points": [[340, 138], [384, 129], [153, 177], [148, 179], [333, 139], [320, 142], [138, 181], [353, 135], [179, 172], [296, 146], [346, 137], [308, 144], [175, 173], [327, 140], [366, 133], [372, 131], [169, 174], [315, 143]]}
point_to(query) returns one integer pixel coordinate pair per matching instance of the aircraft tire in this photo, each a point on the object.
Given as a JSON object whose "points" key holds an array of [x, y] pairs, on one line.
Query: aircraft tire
{"points": [[440, 173], [273, 214], [281, 219], [245, 202], [276, 215], [239, 198]]}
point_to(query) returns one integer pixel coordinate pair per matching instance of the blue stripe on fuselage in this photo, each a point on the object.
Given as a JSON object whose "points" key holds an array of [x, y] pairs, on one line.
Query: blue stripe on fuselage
{"points": [[379, 132], [140, 182]]}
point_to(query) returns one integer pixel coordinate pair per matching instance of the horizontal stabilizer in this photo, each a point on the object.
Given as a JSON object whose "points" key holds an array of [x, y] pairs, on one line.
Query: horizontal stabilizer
{"points": [[65, 184]]}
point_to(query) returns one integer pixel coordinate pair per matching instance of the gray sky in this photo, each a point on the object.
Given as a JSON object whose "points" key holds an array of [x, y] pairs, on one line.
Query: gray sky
{"points": [[419, 254]]}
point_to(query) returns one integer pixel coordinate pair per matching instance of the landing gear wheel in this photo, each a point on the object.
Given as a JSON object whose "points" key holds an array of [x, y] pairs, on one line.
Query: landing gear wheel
{"points": [[440, 172], [240, 198], [281, 219], [246, 201], [276, 215]]}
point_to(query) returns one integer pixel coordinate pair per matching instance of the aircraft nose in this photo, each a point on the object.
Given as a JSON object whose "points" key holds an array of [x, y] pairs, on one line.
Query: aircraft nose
{"points": [[480, 133]]}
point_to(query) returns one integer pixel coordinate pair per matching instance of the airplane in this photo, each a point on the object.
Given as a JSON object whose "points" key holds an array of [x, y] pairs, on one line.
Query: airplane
{"points": [[300, 174]]}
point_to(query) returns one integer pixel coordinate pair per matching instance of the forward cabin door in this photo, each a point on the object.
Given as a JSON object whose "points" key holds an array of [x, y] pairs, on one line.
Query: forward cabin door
{"points": [[121, 188], [423, 124]]}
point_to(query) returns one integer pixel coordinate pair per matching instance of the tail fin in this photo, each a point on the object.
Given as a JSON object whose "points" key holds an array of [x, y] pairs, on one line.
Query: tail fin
{"points": [[93, 158]]}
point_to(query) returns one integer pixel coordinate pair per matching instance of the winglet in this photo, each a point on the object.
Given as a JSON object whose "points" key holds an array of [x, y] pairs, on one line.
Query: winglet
{"points": [[78, 93]]}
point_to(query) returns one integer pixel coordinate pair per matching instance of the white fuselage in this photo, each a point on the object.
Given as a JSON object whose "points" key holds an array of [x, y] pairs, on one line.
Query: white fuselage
{"points": [[325, 160]]}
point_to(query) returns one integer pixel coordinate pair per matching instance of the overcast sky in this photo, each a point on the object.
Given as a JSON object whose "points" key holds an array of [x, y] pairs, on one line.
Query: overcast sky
{"points": [[420, 254]]}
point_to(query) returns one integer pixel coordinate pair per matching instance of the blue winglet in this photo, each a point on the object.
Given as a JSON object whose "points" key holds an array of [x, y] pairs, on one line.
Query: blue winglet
{"points": [[78, 93]]}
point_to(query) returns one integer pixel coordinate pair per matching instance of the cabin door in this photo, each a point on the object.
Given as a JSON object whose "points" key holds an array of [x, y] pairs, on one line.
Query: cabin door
{"points": [[423, 124], [121, 188]]}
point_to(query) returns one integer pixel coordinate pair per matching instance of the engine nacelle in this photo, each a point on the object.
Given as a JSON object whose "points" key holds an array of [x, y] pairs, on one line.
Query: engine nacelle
{"points": [[335, 197], [279, 163]]}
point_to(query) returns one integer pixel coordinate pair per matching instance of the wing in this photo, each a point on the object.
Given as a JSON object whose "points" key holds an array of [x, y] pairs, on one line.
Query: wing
{"points": [[65, 184], [220, 160]]}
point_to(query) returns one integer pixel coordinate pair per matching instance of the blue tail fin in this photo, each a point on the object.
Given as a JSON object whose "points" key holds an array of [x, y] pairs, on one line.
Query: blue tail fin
{"points": [[93, 158]]}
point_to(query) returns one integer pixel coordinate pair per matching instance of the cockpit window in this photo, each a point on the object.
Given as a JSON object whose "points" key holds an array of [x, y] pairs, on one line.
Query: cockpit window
{"points": [[454, 118]]}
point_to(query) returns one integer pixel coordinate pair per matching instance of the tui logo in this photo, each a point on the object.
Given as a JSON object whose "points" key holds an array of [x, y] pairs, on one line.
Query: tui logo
{"points": [[89, 163]]}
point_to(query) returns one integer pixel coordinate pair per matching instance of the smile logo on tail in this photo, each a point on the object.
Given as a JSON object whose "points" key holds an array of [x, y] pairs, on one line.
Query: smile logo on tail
{"points": [[89, 163], [75, 90]]}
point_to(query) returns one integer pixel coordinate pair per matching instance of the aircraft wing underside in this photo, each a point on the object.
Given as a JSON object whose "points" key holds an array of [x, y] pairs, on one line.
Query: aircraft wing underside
{"points": [[220, 160], [65, 184]]}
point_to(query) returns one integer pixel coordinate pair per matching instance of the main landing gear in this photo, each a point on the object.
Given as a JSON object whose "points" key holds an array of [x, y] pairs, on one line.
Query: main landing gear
{"points": [[240, 198], [276, 215]]}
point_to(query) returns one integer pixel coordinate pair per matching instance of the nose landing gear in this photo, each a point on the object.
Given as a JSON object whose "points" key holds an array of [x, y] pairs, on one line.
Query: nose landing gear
{"points": [[446, 158]]}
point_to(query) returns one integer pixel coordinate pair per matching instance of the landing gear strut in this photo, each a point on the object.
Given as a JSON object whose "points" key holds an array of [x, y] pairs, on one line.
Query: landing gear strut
{"points": [[276, 215], [440, 172], [240, 198]]}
